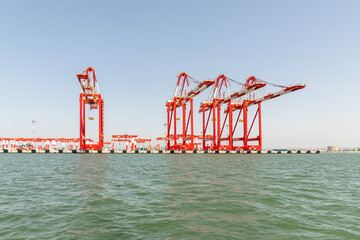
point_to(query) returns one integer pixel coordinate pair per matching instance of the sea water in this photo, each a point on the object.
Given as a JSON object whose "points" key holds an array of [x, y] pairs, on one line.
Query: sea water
{"points": [[180, 196]]}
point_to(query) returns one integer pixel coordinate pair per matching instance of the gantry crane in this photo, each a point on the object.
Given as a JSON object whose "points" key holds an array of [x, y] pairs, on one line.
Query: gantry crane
{"points": [[254, 142], [182, 97], [129, 139], [90, 94], [213, 107]]}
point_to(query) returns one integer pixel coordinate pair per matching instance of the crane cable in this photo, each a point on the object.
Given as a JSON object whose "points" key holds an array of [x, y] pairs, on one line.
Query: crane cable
{"points": [[272, 84]]}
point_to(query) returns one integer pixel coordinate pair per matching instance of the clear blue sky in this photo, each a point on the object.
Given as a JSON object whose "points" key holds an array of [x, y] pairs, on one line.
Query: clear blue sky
{"points": [[139, 47]]}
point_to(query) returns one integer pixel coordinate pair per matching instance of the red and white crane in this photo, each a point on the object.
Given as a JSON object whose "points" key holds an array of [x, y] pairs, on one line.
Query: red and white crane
{"points": [[222, 93], [90, 95], [131, 140], [249, 141], [183, 99]]}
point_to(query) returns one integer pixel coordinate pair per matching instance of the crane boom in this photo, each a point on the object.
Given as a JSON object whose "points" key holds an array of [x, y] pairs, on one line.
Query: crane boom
{"points": [[202, 86], [248, 89], [283, 91], [244, 91], [270, 96], [89, 89]]}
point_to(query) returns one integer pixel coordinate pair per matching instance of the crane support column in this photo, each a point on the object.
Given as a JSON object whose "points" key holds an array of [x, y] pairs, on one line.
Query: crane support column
{"points": [[260, 127], [184, 120], [218, 127], [175, 119], [230, 126], [245, 138], [214, 125], [204, 126], [168, 126], [192, 123]]}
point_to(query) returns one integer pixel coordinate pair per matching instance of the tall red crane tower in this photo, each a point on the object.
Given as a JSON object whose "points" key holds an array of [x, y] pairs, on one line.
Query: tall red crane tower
{"points": [[249, 141], [221, 95], [247, 96], [183, 99], [90, 94]]}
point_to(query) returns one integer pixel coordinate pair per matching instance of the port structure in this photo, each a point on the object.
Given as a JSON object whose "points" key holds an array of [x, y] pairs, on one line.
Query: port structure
{"points": [[131, 140], [222, 94], [39, 143], [143, 141], [249, 141], [183, 100], [216, 121], [128, 139], [90, 95]]}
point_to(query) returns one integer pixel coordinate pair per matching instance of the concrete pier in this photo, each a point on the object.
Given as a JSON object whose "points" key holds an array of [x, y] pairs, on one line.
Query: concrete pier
{"points": [[52, 151]]}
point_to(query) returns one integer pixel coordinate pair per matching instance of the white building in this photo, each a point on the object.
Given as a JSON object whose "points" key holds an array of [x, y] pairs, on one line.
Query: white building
{"points": [[333, 148]]}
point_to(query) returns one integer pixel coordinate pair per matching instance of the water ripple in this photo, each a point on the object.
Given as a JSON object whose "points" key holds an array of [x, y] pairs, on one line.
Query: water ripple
{"points": [[179, 196]]}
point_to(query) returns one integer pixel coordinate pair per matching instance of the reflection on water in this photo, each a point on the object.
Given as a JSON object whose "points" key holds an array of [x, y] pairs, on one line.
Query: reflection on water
{"points": [[91, 174], [207, 193]]}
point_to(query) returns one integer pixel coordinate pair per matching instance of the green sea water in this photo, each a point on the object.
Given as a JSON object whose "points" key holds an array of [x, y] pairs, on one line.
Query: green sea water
{"points": [[185, 196]]}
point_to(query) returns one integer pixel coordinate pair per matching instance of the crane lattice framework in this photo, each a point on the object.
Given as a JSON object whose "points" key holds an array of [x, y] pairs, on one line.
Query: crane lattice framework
{"points": [[129, 139], [246, 139], [222, 94], [90, 94], [249, 95], [183, 99]]}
